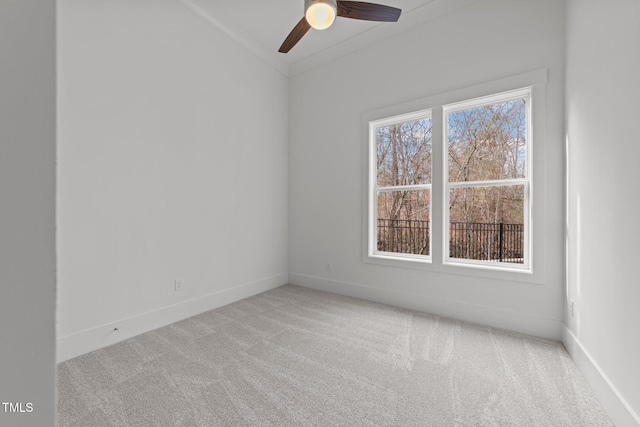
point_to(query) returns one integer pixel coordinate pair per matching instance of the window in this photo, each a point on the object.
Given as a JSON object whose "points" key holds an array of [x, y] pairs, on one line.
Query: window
{"points": [[402, 188], [487, 186], [479, 197]]}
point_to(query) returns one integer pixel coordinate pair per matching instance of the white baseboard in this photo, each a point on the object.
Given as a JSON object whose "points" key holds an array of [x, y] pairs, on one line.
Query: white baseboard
{"points": [[83, 342], [617, 407], [498, 318]]}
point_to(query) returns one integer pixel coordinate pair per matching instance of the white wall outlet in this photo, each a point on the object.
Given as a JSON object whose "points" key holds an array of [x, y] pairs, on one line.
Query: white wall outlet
{"points": [[328, 265], [179, 284], [571, 308]]}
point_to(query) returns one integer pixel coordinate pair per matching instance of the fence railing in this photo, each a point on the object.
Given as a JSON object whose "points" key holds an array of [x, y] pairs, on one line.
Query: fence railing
{"points": [[403, 236], [467, 240]]}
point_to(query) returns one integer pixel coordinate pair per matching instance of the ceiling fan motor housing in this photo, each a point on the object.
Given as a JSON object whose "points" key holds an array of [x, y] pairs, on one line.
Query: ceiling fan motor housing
{"points": [[332, 3]]}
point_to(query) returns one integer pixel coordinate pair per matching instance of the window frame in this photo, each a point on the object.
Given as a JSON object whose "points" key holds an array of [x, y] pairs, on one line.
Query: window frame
{"points": [[536, 82], [525, 93], [374, 189]]}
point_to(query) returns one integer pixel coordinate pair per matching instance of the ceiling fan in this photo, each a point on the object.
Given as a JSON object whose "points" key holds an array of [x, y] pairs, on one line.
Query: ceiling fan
{"points": [[320, 14]]}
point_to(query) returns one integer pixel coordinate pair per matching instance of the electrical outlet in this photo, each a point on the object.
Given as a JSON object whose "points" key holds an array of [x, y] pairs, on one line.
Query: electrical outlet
{"points": [[179, 284], [328, 265], [571, 308]]}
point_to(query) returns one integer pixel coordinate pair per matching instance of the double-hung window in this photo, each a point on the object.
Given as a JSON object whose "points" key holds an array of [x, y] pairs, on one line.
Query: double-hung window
{"points": [[486, 179], [402, 187], [482, 189]]}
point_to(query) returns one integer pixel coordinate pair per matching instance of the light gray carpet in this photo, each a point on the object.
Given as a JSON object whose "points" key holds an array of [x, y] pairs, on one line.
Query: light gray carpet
{"points": [[298, 357]]}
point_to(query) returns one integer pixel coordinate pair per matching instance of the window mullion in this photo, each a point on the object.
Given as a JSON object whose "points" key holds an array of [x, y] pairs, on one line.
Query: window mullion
{"points": [[437, 192]]}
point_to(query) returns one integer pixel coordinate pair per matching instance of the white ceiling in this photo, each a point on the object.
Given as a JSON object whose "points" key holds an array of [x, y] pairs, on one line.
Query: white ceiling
{"points": [[262, 26]]}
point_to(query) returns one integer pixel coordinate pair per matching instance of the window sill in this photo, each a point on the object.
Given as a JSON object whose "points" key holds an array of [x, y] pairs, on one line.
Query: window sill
{"points": [[400, 258], [428, 265], [496, 266]]}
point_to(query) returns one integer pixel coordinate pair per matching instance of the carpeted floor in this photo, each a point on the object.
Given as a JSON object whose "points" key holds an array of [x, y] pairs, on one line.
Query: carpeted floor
{"points": [[298, 357]]}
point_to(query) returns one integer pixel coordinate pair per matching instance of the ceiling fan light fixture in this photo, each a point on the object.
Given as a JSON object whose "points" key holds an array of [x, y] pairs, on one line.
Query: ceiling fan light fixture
{"points": [[320, 14]]}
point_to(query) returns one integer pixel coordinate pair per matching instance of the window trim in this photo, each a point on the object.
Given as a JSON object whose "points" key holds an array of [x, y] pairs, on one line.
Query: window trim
{"points": [[537, 81]]}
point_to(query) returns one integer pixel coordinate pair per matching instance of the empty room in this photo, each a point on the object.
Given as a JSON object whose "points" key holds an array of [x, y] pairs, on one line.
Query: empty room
{"points": [[319, 213]]}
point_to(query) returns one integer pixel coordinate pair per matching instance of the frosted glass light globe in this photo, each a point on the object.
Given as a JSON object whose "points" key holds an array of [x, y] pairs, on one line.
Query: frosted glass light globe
{"points": [[320, 14]]}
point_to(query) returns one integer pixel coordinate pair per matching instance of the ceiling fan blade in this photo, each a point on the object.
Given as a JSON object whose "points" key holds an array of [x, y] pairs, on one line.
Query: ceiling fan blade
{"points": [[368, 11], [295, 35]]}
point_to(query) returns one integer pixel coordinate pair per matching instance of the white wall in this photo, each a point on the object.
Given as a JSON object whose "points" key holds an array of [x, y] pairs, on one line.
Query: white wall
{"points": [[27, 208], [485, 41], [603, 65], [172, 163]]}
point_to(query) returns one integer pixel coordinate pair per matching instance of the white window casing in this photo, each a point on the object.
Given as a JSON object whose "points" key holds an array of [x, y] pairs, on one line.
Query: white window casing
{"points": [[530, 86]]}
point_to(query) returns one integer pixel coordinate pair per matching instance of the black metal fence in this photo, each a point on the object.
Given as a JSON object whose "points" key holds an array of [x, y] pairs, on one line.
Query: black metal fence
{"points": [[467, 240], [403, 236], [485, 241]]}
